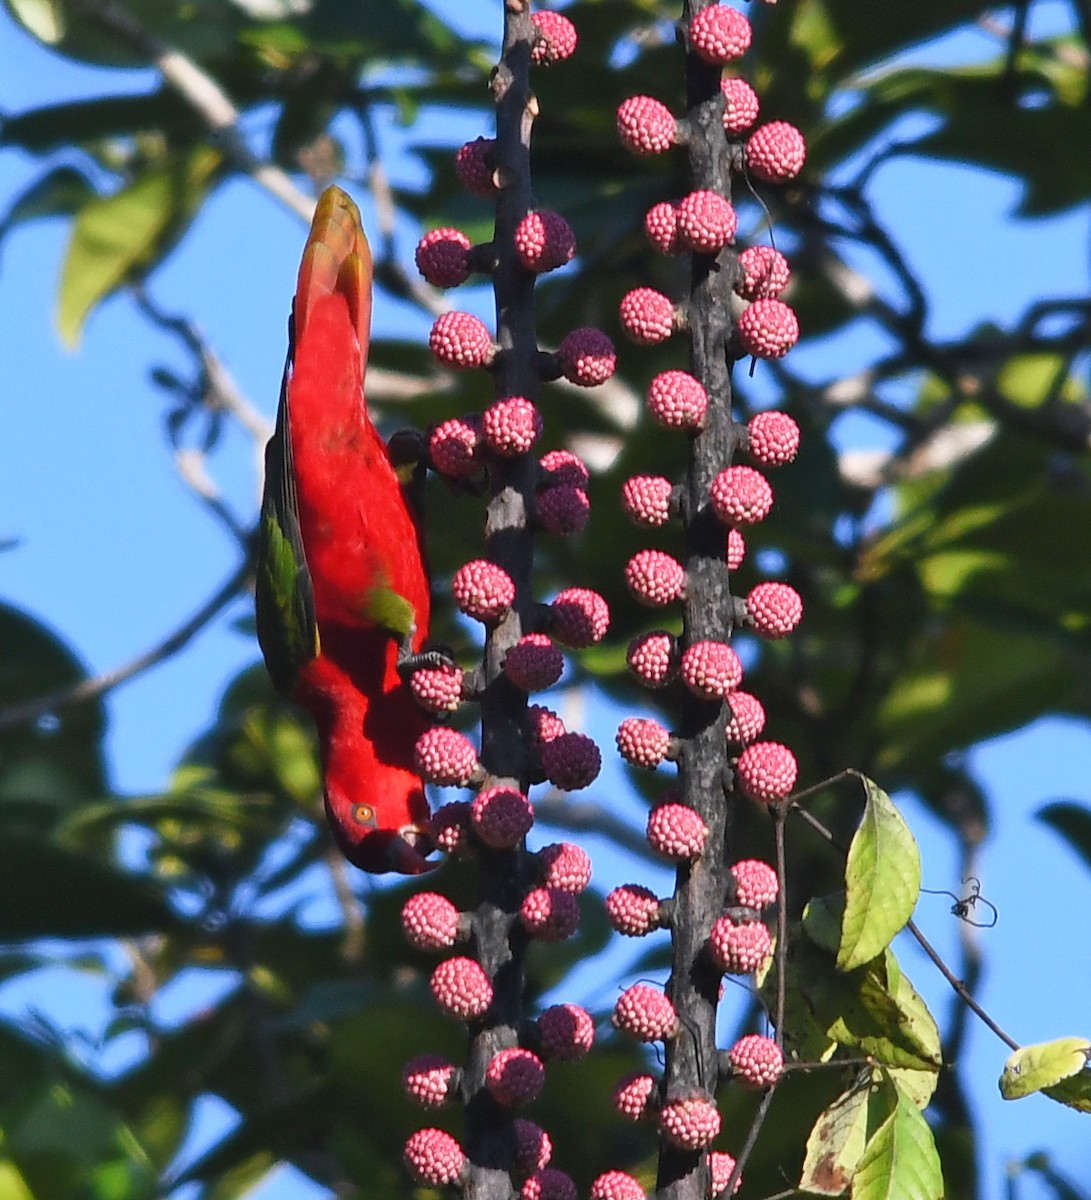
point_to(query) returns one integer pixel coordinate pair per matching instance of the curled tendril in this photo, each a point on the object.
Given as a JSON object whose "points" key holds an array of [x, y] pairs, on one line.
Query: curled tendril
{"points": [[962, 908]]}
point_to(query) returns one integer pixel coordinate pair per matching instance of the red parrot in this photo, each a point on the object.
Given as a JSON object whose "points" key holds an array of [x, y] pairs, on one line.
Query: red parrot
{"points": [[342, 587]]}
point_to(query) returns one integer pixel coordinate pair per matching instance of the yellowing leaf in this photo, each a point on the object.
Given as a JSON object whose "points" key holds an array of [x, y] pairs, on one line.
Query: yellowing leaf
{"points": [[836, 1143], [1043, 1065]]}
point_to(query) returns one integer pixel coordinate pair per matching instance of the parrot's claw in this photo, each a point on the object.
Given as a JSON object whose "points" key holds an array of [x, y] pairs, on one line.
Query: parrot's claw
{"points": [[433, 659]]}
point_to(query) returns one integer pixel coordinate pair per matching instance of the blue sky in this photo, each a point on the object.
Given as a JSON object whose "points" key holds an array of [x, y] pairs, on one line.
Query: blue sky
{"points": [[114, 550]]}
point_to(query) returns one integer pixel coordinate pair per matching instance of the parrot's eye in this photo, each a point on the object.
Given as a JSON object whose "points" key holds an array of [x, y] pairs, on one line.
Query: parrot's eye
{"points": [[363, 814]]}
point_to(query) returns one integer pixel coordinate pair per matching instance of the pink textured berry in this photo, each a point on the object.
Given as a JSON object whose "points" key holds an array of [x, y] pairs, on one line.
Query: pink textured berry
{"points": [[645, 1013], [581, 617], [646, 499], [739, 947], [549, 914], [721, 1166], [565, 866], [534, 663], [474, 169], [534, 1148], [776, 152], [661, 226], [736, 550], [710, 669], [443, 257], [562, 468], [647, 316], [616, 1185], [755, 883], [756, 1061], [453, 447], [634, 1096], [462, 988], [655, 578], [556, 38], [653, 658], [543, 724], [511, 426], [773, 438], [437, 689], [767, 329], [677, 401], [460, 340], [676, 832], [428, 1078], [449, 826], [719, 34], [741, 496], [482, 590], [563, 510], [445, 757], [692, 1123], [643, 741], [571, 761], [763, 272], [747, 718], [741, 106], [501, 816], [775, 609], [706, 220], [567, 1031], [645, 125], [544, 241], [767, 771], [514, 1076], [430, 921], [548, 1184], [633, 910], [587, 357], [434, 1157]]}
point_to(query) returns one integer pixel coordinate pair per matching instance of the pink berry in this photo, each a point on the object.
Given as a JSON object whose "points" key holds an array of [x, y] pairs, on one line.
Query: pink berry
{"points": [[567, 1031], [747, 718], [562, 468], [739, 947], [676, 832], [773, 438], [548, 1184], [741, 496], [645, 1013], [763, 272], [645, 125], [721, 1166], [445, 757], [587, 357], [633, 910], [653, 658], [735, 551], [437, 689], [483, 590], [767, 329], [501, 816], [514, 1076], [643, 741], [571, 761], [549, 914], [676, 400], [566, 866], [428, 1079], [556, 38], [453, 448], [646, 499], [443, 257], [710, 669], [755, 883], [661, 226], [647, 316], [460, 340], [449, 826], [616, 1185], [634, 1096], [719, 34], [534, 663], [511, 426], [563, 510], [740, 106], [544, 241], [434, 1157], [655, 578], [430, 921], [581, 617], [461, 988], [767, 771], [474, 169], [776, 152], [706, 220], [775, 609], [756, 1061], [533, 1147], [543, 724], [692, 1123]]}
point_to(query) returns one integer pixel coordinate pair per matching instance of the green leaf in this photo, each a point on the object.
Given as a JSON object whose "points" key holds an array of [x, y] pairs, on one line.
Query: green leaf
{"points": [[57, 193], [122, 235], [900, 1161], [1043, 1065], [12, 1185], [1073, 822], [1074, 1092], [882, 881], [43, 18]]}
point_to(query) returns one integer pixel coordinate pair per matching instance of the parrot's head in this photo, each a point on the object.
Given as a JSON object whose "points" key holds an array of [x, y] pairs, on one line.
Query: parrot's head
{"points": [[375, 847]]}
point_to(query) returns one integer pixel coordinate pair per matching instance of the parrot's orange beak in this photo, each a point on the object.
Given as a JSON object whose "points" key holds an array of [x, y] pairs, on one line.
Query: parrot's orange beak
{"points": [[405, 852]]}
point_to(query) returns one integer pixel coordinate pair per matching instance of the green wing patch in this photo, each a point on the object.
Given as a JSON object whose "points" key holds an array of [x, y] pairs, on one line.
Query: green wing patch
{"points": [[390, 610]]}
